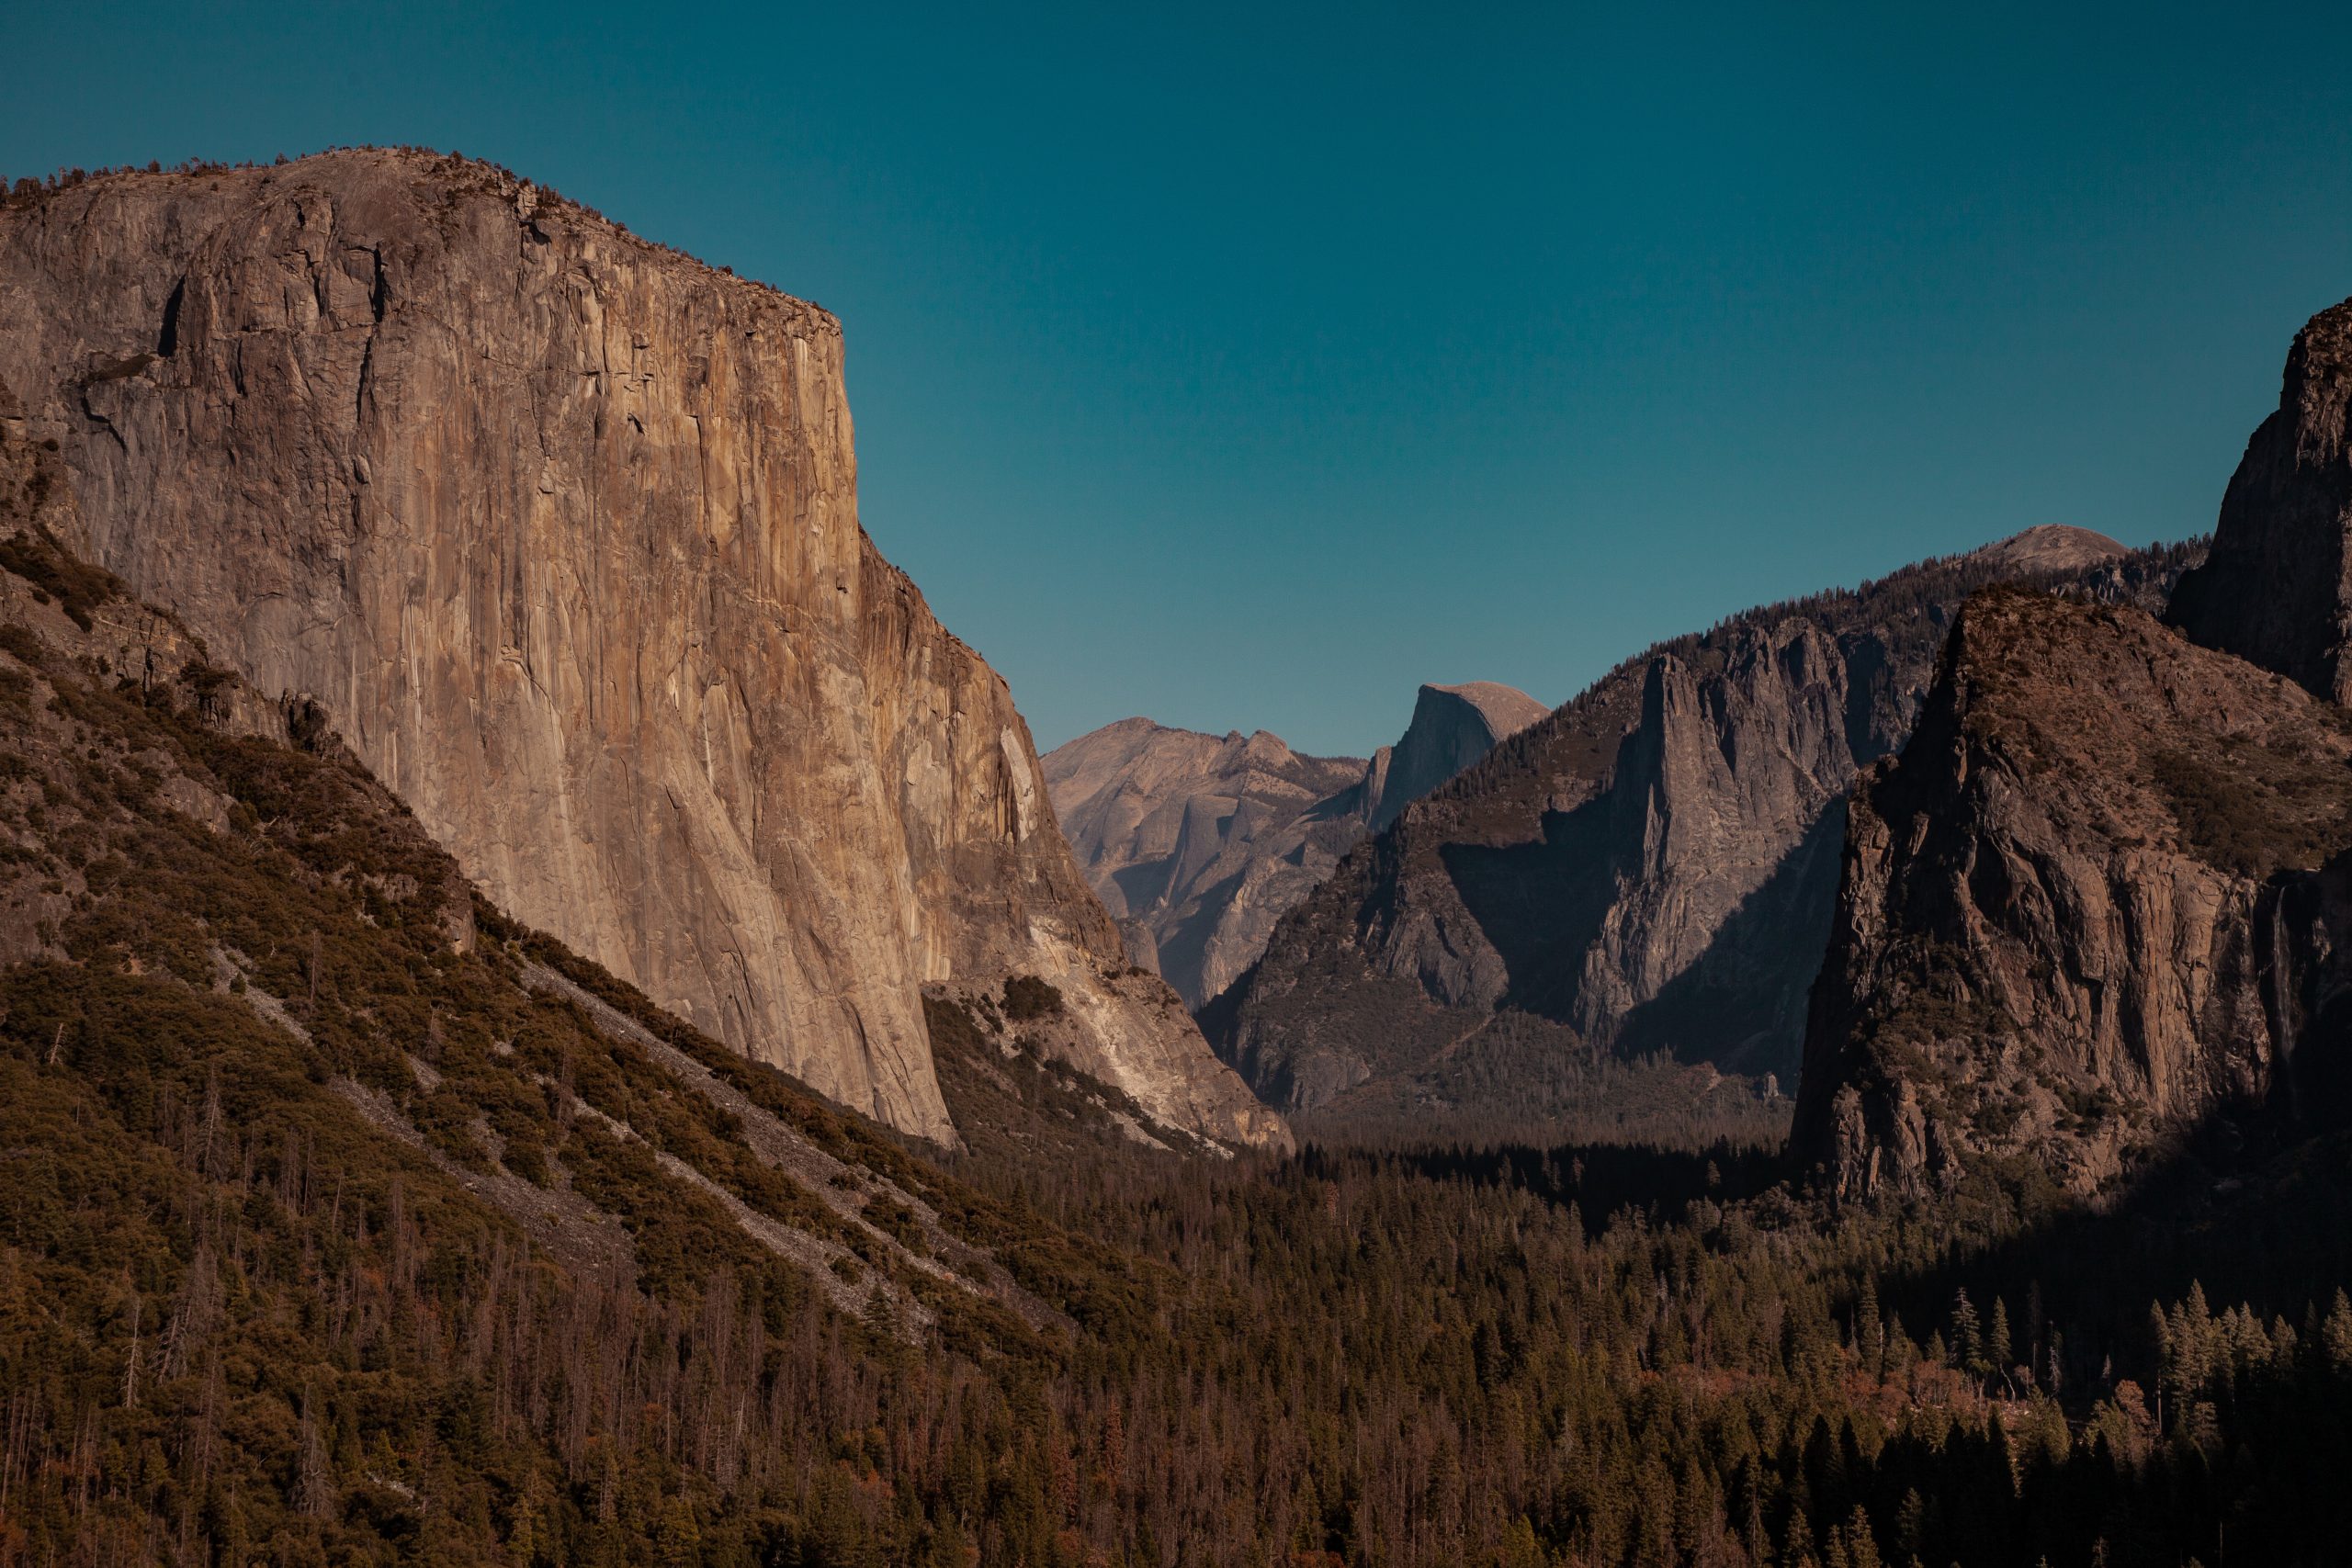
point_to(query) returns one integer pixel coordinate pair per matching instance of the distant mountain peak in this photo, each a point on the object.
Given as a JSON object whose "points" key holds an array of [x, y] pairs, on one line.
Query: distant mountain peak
{"points": [[1198, 843], [1452, 729], [2052, 547]]}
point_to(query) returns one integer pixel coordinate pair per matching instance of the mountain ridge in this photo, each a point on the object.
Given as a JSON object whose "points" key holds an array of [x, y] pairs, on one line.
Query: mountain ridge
{"points": [[1651, 867], [1197, 843], [2083, 911], [2096, 908]]}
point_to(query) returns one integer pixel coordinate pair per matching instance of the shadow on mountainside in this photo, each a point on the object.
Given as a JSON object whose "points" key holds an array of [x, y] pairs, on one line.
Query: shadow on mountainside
{"points": [[2241, 1206], [1740, 1005], [1601, 1179], [1144, 884], [1541, 903], [2176, 1348], [1737, 1006], [2254, 1200], [1185, 948]]}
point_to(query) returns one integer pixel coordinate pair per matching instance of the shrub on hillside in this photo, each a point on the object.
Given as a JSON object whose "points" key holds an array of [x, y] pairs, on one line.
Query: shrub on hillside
{"points": [[1027, 997]]}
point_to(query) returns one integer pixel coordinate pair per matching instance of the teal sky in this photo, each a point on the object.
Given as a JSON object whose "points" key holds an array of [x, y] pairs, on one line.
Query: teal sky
{"points": [[1246, 366]]}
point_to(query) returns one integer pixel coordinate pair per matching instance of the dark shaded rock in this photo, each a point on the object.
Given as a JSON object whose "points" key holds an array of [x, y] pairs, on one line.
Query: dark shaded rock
{"points": [[2277, 588], [2100, 897]]}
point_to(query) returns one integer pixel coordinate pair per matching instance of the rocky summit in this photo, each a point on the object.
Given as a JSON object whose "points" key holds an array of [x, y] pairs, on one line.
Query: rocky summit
{"points": [[560, 529], [2096, 912], [1652, 867], [1198, 844], [1452, 729]]}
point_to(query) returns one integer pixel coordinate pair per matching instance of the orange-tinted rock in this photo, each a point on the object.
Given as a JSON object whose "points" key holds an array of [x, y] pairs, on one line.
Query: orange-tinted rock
{"points": [[562, 529]]}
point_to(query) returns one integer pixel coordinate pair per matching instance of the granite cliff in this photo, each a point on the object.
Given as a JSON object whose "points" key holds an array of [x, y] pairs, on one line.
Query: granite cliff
{"points": [[1452, 729], [1198, 844], [200, 885], [560, 529], [2102, 895], [1652, 867], [2098, 907]]}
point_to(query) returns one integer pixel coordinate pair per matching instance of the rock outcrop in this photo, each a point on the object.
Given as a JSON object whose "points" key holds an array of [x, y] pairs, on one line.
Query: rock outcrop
{"points": [[201, 887], [2102, 895], [2277, 587], [561, 528], [1652, 867], [1198, 843]]}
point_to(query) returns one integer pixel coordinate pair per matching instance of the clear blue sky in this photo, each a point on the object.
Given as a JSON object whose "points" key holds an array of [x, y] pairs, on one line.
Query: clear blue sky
{"points": [[1247, 366]]}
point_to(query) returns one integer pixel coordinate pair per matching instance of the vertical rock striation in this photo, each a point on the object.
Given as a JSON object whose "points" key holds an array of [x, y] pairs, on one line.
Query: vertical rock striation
{"points": [[562, 528]]}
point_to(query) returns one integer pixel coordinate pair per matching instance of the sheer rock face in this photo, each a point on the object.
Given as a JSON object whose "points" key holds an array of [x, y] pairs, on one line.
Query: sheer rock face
{"points": [[2101, 896], [1652, 866], [2278, 588], [562, 528], [1452, 729], [1198, 844]]}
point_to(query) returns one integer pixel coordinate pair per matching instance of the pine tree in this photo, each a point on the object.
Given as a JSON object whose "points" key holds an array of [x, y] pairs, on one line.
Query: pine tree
{"points": [[2335, 1335], [1861, 1548], [1798, 1552], [1911, 1522], [1966, 1338]]}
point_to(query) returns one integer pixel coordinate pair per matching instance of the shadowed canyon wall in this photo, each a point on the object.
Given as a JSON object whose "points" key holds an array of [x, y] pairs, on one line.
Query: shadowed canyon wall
{"points": [[2099, 905], [2097, 898], [2278, 588]]}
